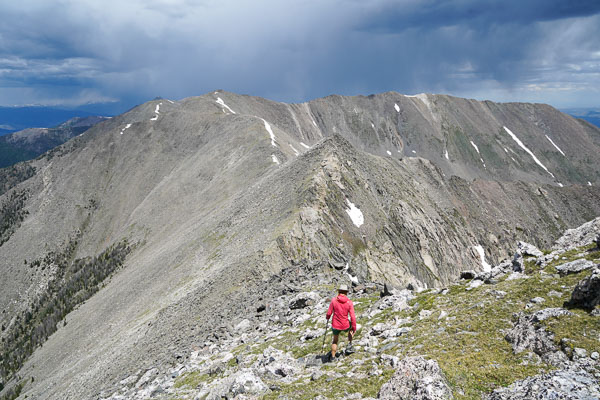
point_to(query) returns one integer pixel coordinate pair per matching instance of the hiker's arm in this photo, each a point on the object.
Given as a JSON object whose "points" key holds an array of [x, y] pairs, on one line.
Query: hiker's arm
{"points": [[352, 318], [330, 310]]}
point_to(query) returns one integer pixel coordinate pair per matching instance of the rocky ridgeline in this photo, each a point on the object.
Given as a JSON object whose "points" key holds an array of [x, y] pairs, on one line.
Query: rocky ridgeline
{"points": [[527, 329]]}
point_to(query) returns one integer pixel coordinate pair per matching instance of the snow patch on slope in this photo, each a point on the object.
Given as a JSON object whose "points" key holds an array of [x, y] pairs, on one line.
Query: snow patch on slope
{"points": [[484, 263], [388, 152], [296, 152], [477, 149], [396, 107], [271, 134], [554, 144], [305, 145], [355, 214], [353, 279], [274, 158], [126, 127], [423, 97], [446, 155], [156, 112], [537, 161], [222, 103]]}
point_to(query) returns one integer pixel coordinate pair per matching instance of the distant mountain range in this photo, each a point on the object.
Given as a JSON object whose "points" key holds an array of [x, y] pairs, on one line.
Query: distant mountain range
{"points": [[31, 142], [14, 119], [591, 115]]}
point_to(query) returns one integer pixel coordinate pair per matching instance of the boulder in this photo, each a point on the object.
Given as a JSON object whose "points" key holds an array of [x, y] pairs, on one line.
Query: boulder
{"points": [[398, 301], [474, 284], [586, 294], [243, 325], [575, 266], [246, 382], [388, 290], [546, 313], [570, 383], [418, 379], [243, 382], [528, 250], [379, 328], [303, 300], [277, 363], [395, 332]]}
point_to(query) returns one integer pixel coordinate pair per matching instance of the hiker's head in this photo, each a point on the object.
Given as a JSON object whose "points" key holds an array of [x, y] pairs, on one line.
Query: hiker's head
{"points": [[343, 290]]}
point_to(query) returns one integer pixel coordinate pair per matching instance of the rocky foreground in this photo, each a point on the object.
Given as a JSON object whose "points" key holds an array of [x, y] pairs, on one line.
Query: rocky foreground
{"points": [[529, 328]]}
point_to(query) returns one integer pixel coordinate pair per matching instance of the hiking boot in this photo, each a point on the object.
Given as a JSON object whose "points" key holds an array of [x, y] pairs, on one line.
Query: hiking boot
{"points": [[349, 349]]}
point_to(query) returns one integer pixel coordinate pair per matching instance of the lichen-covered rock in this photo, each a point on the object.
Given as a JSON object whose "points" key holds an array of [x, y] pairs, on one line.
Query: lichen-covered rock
{"points": [[416, 378], [587, 292], [568, 384], [575, 266], [529, 334], [546, 313]]}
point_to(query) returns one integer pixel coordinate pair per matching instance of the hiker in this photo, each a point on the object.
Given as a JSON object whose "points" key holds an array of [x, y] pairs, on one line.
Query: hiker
{"points": [[341, 306]]}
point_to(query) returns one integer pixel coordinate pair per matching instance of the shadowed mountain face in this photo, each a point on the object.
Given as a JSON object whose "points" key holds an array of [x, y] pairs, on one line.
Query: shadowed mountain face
{"points": [[218, 193], [31, 142]]}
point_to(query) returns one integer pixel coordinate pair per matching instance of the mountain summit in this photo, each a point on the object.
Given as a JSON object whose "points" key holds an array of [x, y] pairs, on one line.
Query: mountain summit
{"points": [[130, 245]]}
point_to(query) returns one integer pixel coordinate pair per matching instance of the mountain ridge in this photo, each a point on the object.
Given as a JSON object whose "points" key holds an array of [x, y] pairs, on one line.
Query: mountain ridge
{"points": [[194, 186]]}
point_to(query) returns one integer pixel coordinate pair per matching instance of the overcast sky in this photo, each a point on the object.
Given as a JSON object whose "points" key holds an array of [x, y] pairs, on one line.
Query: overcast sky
{"points": [[73, 52]]}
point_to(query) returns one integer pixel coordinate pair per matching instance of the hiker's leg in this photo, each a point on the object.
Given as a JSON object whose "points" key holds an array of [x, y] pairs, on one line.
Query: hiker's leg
{"points": [[350, 336], [334, 345]]}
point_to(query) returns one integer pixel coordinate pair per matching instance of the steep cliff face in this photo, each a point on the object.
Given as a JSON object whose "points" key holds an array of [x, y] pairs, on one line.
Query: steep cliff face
{"points": [[216, 194]]}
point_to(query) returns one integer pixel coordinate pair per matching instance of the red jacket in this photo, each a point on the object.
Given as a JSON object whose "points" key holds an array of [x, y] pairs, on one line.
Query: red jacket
{"points": [[340, 307]]}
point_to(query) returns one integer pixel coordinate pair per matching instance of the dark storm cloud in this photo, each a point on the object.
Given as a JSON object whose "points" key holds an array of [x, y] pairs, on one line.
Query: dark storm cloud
{"points": [[87, 50], [429, 14]]}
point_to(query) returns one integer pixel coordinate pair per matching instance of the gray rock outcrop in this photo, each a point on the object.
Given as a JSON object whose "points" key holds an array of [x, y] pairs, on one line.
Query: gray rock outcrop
{"points": [[587, 292], [529, 334], [574, 266], [569, 384], [243, 382], [580, 236], [418, 379]]}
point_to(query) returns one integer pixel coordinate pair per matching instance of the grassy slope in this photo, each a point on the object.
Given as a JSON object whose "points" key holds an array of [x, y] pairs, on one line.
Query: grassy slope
{"points": [[468, 343]]}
